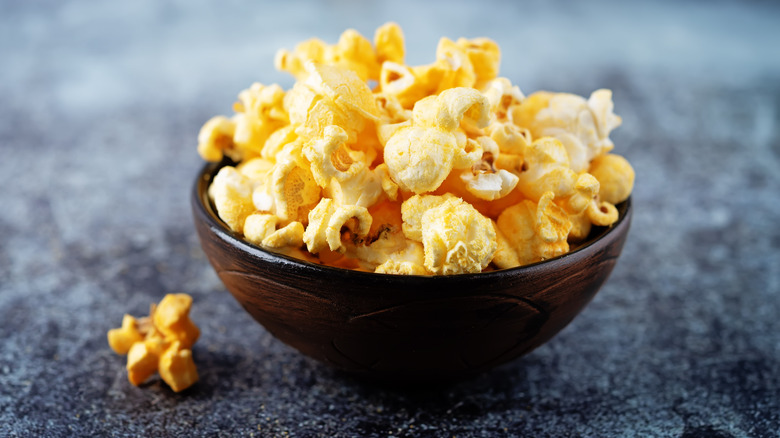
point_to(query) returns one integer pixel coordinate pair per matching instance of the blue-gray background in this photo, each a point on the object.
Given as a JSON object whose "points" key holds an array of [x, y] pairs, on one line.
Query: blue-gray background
{"points": [[100, 104]]}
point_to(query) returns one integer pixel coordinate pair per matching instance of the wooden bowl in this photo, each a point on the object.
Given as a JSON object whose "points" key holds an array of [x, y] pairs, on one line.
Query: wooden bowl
{"points": [[407, 328]]}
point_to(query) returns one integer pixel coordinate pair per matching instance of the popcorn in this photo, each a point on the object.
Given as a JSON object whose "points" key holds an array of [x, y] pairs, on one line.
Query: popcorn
{"points": [[389, 43], [326, 221], [535, 231], [582, 126], [161, 342], [456, 237], [437, 169], [420, 156], [231, 193], [615, 176]]}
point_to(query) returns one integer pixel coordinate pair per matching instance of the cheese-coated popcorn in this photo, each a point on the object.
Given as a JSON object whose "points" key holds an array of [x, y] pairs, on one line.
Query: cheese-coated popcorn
{"points": [[121, 339], [458, 71], [389, 43], [442, 168], [177, 368], [294, 62], [502, 97], [216, 138], [400, 82], [290, 235], [456, 237], [259, 112], [326, 221], [615, 175], [505, 256], [258, 226], [484, 54], [161, 343], [294, 190], [582, 126], [547, 170], [536, 231], [400, 268], [420, 156], [231, 193]]}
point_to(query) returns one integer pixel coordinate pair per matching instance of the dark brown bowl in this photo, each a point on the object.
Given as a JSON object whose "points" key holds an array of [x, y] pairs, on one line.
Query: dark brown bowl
{"points": [[407, 328]]}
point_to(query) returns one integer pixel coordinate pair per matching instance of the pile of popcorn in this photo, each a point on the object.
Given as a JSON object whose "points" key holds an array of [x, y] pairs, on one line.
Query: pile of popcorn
{"points": [[161, 342], [446, 168]]}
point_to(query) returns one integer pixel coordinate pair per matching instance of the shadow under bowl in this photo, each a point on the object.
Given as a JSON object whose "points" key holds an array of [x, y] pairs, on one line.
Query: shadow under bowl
{"points": [[406, 328]]}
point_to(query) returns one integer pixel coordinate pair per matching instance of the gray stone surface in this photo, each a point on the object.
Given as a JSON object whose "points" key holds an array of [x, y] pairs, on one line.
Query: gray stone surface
{"points": [[100, 104]]}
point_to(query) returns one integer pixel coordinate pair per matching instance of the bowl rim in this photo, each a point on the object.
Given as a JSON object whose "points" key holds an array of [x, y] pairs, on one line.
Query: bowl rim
{"points": [[203, 208]]}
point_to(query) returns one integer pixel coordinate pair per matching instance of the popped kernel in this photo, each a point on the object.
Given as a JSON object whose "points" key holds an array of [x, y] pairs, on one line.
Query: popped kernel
{"points": [[455, 236], [615, 176], [582, 126], [536, 231], [231, 193], [368, 163], [161, 342], [421, 155]]}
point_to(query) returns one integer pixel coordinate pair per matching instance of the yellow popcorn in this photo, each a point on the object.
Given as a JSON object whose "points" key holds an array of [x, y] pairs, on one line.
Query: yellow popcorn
{"points": [[259, 112], [582, 126], [331, 158], [294, 62], [602, 213], [401, 83], [326, 221], [389, 43], [484, 180], [615, 175], [258, 226], [141, 363], [455, 236], [216, 138], [371, 164], [502, 97], [420, 156], [294, 190], [290, 235], [177, 368], [484, 54], [547, 170], [123, 338], [536, 231], [458, 71], [400, 268], [161, 342], [231, 193], [505, 256]]}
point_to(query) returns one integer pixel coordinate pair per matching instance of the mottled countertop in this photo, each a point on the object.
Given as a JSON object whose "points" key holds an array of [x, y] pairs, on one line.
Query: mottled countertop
{"points": [[100, 105]]}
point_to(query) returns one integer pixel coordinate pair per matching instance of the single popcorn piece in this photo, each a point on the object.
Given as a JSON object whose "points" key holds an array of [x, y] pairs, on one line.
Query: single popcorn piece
{"points": [[615, 175], [485, 56], [536, 231], [121, 339], [160, 343], [582, 126], [177, 368], [419, 157], [259, 112], [547, 170], [455, 236], [389, 43], [215, 138], [326, 221], [231, 193], [371, 164]]}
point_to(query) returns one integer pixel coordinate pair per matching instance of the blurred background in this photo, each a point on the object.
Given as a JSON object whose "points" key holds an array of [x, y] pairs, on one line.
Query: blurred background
{"points": [[100, 106]]}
